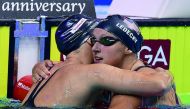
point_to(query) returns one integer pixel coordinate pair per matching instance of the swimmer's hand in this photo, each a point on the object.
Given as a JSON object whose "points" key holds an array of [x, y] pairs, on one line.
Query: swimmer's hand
{"points": [[41, 70], [167, 75]]}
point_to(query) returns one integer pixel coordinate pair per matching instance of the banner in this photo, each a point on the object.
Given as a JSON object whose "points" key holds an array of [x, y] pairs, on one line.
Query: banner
{"points": [[156, 53], [30, 9]]}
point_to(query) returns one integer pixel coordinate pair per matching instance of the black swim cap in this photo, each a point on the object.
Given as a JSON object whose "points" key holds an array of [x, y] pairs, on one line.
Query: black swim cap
{"points": [[125, 29], [72, 32]]}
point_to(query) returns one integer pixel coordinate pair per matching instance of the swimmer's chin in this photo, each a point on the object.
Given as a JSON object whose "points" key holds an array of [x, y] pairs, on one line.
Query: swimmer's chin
{"points": [[97, 62]]}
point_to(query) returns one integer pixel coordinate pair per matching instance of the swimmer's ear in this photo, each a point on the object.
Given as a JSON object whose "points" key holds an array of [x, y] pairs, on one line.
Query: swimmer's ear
{"points": [[128, 51]]}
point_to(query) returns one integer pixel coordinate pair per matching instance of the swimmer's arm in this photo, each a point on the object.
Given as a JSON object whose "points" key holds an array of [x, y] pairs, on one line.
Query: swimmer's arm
{"points": [[147, 82]]}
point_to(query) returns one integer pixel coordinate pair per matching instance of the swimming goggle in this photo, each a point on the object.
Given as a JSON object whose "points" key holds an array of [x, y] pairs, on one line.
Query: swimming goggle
{"points": [[106, 41]]}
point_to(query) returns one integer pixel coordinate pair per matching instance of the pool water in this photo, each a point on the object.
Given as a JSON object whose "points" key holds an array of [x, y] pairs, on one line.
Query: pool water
{"points": [[9, 103], [6, 103]]}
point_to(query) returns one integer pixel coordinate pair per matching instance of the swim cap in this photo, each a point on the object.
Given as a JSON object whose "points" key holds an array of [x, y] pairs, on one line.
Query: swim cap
{"points": [[125, 29], [73, 32]]}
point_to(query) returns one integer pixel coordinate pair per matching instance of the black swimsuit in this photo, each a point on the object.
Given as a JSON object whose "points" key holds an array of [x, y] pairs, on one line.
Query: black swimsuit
{"points": [[31, 98], [30, 101]]}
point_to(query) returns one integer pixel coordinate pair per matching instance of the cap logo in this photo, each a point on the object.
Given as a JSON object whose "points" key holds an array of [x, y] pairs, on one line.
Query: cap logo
{"points": [[78, 25], [127, 31]]}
